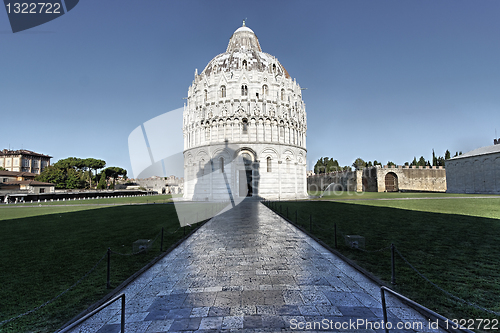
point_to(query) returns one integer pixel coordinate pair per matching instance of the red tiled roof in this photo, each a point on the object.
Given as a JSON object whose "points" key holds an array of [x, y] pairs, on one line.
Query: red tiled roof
{"points": [[7, 152], [27, 182], [17, 173]]}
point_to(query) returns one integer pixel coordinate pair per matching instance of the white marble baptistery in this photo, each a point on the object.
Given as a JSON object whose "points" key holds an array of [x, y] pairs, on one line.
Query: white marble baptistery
{"points": [[244, 127]]}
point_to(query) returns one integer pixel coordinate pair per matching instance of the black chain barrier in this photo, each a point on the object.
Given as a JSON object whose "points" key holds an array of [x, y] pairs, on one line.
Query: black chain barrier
{"points": [[58, 296]]}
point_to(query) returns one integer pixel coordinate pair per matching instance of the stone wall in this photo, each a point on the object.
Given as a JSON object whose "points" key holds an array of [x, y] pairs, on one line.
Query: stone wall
{"points": [[338, 181], [474, 174], [170, 185], [377, 179]]}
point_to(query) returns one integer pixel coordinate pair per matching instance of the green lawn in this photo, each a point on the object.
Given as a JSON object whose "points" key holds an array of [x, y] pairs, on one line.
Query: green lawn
{"points": [[346, 195], [47, 249], [454, 242], [101, 201]]}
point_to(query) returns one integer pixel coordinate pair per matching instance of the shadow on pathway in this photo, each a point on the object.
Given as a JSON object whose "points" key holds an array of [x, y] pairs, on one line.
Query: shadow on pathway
{"points": [[248, 270]]}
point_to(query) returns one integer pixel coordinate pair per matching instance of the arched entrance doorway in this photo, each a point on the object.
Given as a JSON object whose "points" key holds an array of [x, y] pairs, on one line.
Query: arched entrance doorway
{"points": [[391, 182], [245, 176]]}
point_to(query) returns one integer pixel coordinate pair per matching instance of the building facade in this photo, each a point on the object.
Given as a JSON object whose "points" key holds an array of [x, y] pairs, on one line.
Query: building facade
{"points": [[24, 161], [477, 171], [244, 127]]}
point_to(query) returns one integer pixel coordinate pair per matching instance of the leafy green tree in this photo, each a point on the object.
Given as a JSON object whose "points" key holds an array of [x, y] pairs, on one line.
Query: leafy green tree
{"points": [[376, 163], [74, 163], [390, 163], [421, 161], [102, 182], [70, 172], [74, 179], [326, 165], [447, 155], [319, 167], [332, 165], [434, 159], [2, 169], [114, 172], [359, 164], [54, 175], [94, 164]]}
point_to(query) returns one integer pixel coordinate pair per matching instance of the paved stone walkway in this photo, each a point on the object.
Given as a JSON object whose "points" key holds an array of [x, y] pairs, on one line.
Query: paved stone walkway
{"points": [[248, 270]]}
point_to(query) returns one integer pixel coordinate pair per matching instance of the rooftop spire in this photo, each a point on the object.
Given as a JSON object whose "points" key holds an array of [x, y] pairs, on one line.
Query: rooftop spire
{"points": [[244, 23]]}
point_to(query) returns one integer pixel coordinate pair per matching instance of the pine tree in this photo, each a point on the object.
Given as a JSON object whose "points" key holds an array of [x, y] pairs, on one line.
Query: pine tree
{"points": [[102, 182]]}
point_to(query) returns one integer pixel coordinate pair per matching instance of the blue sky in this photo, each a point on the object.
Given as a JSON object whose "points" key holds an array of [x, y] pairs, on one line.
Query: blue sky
{"points": [[387, 80]]}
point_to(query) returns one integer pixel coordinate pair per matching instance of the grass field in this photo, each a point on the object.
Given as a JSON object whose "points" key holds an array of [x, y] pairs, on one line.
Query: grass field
{"points": [[101, 201], [454, 242], [349, 195], [47, 249]]}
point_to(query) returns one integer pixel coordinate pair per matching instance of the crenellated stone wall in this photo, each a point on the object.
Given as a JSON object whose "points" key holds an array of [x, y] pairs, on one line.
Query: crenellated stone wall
{"points": [[383, 179]]}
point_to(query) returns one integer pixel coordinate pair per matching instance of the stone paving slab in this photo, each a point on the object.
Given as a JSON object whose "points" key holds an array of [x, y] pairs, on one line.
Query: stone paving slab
{"points": [[248, 270]]}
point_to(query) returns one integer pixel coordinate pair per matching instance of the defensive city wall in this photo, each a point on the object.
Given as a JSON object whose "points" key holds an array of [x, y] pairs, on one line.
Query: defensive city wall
{"points": [[382, 179]]}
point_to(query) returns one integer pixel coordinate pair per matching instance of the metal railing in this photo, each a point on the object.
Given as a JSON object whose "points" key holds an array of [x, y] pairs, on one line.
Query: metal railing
{"points": [[79, 321], [418, 306]]}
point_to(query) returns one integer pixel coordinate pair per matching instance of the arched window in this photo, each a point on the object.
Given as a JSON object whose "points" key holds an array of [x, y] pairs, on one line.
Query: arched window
{"points": [[287, 165], [282, 94], [269, 164], [245, 126], [223, 91], [264, 91], [244, 64], [274, 67], [244, 90], [206, 95]]}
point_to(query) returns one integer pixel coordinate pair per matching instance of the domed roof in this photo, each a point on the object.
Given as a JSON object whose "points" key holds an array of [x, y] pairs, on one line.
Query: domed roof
{"points": [[243, 50]]}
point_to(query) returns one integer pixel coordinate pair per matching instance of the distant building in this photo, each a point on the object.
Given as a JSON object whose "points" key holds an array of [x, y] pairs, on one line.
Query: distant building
{"points": [[477, 171], [24, 160], [9, 176], [17, 185], [26, 187]]}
